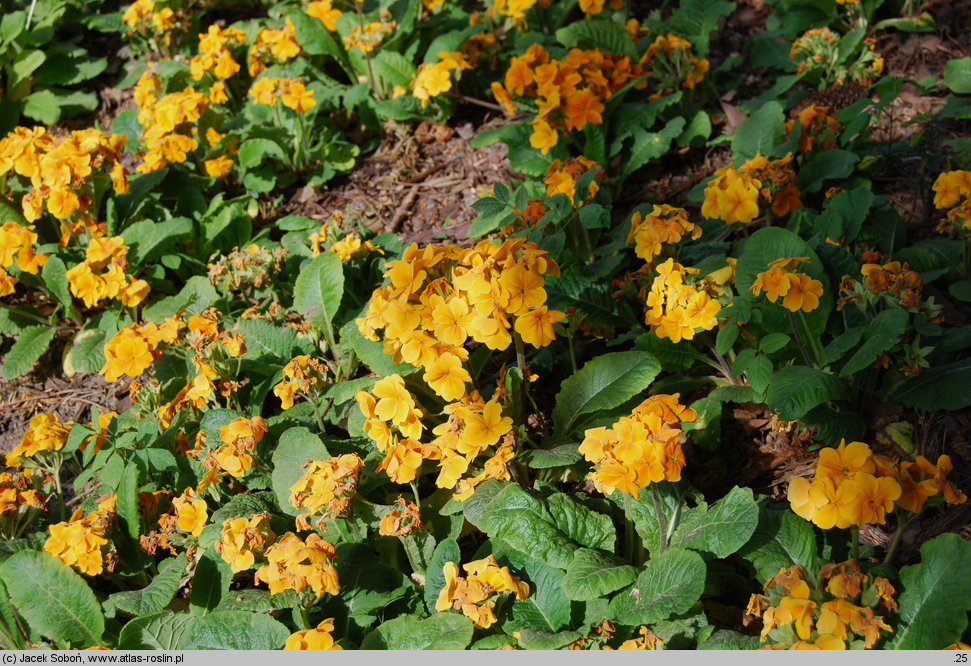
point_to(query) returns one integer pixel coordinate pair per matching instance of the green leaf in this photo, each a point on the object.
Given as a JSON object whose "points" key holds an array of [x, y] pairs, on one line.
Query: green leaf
{"points": [[760, 132], [444, 631], [252, 152], [318, 290], [157, 594], [961, 290], [264, 338], [696, 19], [149, 240], [11, 637], [531, 639], [881, 334], [603, 383], [24, 65], [773, 342], [26, 351], [826, 165], [727, 639], [584, 526], [296, 447], [796, 389], [546, 609], [670, 584], [698, 129], [560, 456], [210, 583], [722, 528], [368, 585], [936, 596], [943, 387], [54, 273], [127, 501], [957, 76], [54, 600], [447, 550], [43, 107], [234, 630], [521, 520], [651, 145], [70, 69], [393, 68], [197, 295], [161, 631], [781, 539], [599, 33], [593, 574]]}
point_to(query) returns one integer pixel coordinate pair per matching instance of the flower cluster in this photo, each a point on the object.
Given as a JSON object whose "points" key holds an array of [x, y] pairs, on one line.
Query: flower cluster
{"points": [[273, 46], [22, 495], [568, 93], [664, 225], [434, 79], [148, 19], [562, 176], [670, 64], [239, 439], [17, 246], [895, 280], [348, 248], [325, 12], [170, 123], [818, 52], [326, 488], [215, 53], [844, 609], [102, 275], [45, 434], [646, 640], [319, 638], [244, 269], [134, 348], [441, 296], [401, 521], [80, 541], [243, 540], [854, 486], [819, 126], [297, 564], [369, 36], [675, 309], [293, 93], [952, 190], [513, 9], [733, 194], [475, 594], [191, 512], [302, 375], [639, 449], [63, 170], [798, 290], [393, 422]]}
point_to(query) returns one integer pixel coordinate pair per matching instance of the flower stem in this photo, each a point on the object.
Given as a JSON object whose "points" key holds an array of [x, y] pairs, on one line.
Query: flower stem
{"points": [[902, 524], [662, 523], [629, 549], [304, 617], [855, 542]]}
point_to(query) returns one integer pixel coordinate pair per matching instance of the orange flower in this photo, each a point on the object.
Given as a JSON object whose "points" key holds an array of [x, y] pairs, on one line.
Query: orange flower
{"points": [[581, 108]]}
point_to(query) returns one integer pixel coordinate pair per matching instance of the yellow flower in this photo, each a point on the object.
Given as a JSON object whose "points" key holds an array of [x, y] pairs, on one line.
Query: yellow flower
{"points": [[803, 294], [776, 282], [446, 376], [319, 638], [536, 326], [127, 353], [323, 11], [219, 167], [732, 197], [295, 564], [243, 540], [544, 136], [191, 513], [78, 542], [295, 95], [950, 187]]}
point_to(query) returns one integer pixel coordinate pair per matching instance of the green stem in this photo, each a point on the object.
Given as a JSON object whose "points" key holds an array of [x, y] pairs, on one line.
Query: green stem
{"points": [[304, 617], [628, 531], [662, 523], [414, 489], [802, 345], [814, 347], [902, 524], [855, 542], [521, 362]]}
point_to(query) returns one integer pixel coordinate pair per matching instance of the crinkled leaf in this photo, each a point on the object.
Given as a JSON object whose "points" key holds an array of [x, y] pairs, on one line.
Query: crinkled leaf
{"points": [[593, 574], [234, 630], [296, 447], [604, 382], [721, 529], [161, 631], [54, 600], [670, 584], [444, 631], [157, 594]]}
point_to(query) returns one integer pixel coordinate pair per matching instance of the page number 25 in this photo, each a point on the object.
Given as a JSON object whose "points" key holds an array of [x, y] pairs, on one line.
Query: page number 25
{"points": [[961, 658]]}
